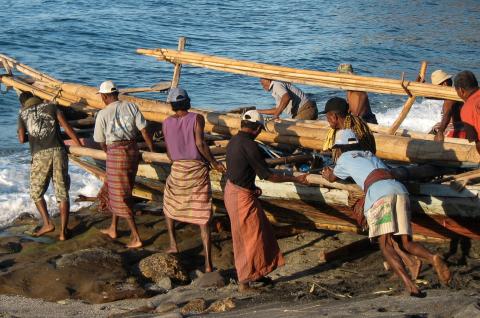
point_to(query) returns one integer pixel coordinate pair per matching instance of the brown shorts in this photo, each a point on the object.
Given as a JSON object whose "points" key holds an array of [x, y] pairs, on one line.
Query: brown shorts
{"points": [[49, 164], [308, 111]]}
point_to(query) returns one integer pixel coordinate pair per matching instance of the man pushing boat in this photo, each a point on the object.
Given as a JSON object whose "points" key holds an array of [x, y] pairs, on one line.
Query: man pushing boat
{"points": [[188, 195], [386, 207], [116, 129], [289, 99], [255, 248], [466, 85], [42, 121]]}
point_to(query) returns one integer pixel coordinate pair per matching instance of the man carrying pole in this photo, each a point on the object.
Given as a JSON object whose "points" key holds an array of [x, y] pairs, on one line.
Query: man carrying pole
{"points": [[386, 207], [255, 248], [116, 129], [42, 121]]}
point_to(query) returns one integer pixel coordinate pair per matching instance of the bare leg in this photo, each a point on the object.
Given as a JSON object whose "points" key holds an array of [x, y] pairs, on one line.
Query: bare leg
{"points": [[207, 246], [386, 246], [245, 287], [171, 234], [47, 224], [413, 264], [64, 212], [419, 250], [135, 241], [112, 230]]}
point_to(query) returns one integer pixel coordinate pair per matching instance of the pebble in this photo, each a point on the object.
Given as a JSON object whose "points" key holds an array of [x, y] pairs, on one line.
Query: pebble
{"points": [[222, 305], [166, 307], [195, 306]]}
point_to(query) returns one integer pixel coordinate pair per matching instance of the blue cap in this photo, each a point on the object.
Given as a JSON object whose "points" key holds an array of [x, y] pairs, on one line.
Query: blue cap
{"points": [[177, 94]]}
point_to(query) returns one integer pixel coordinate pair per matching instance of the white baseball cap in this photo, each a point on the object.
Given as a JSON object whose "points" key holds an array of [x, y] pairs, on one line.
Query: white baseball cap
{"points": [[345, 137], [107, 87], [253, 116]]}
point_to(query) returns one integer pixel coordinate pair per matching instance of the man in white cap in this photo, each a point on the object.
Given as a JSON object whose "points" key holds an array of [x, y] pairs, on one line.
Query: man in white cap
{"points": [[116, 129], [188, 195], [255, 248], [386, 208], [451, 124], [289, 99]]}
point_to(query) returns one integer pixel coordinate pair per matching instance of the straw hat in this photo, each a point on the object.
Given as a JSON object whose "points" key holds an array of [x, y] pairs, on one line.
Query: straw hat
{"points": [[439, 76]]}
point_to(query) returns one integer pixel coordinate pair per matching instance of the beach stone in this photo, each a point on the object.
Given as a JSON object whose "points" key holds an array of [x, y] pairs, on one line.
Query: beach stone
{"points": [[195, 274], [213, 279], [166, 307], [170, 315], [222, 305], [160, 265], [101, 256], [10, 248], [195, 306]]}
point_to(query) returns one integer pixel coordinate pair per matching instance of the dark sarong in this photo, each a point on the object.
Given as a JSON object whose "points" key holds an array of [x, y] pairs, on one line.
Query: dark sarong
{"points": [[255, 248]]}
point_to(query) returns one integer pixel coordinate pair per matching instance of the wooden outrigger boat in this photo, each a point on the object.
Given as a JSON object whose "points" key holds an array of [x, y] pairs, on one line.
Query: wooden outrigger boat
{"points": [[440, 212]]}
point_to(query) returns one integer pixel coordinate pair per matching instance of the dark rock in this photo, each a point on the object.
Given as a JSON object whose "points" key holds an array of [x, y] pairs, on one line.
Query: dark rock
{"points": [[160, 265], [213, 279], [101, 256], [195, 306], [10, 248]]}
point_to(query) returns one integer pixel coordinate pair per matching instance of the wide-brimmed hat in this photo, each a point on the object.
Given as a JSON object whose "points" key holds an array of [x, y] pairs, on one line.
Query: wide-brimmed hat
{"points": [[107, 87], [439, 76], [345, 68], [345, 137]]}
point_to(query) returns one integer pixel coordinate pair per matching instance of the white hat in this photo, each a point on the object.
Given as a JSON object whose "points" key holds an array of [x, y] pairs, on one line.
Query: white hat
{"points": [[253, 116], [345, 137], [439, 76], [107, 87]]}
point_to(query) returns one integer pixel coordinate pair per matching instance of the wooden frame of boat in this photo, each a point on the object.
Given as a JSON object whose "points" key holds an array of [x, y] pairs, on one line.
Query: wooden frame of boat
{"points": [[439, 211]]}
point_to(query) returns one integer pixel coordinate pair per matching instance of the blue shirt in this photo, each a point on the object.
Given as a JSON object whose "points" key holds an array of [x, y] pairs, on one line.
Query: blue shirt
{"points": [[358, 165]]}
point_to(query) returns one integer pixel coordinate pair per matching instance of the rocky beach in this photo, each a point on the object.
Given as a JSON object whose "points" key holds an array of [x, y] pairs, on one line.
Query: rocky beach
{"points": [[91, 275]]}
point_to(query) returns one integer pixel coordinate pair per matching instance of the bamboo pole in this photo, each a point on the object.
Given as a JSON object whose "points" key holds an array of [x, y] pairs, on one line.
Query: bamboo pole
{"points": [[409, 103], [178, 66], [309, 77]]}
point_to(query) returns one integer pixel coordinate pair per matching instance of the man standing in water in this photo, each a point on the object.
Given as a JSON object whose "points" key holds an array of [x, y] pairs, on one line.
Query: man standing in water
{"points": [[188, 195], [116, 129], [359, 104], [386, 207], [255, 248], [466, 85], [289, 99], [42, 121]]}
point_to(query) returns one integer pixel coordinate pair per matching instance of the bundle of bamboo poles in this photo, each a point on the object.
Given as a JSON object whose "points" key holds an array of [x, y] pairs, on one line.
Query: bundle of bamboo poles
{"points": [[310, 136], [300, 76]]}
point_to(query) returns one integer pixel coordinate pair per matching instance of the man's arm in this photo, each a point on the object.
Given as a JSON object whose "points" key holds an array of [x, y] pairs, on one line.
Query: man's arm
{"points": [[276, 177], [21, 132], [148, 139], [328, 174], [202, 145], [279, 109], [68, 129], [446, 118]]}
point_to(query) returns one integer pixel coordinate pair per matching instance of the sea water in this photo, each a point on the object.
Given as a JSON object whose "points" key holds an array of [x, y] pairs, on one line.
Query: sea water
{"points": [[89, 41]]}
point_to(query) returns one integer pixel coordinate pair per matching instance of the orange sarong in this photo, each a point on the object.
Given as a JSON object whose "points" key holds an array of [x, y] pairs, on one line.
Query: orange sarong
{"points": [[255, 248]]}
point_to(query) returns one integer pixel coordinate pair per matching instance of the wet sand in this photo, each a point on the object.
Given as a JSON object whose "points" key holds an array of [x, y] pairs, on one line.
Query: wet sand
{"points": [[44, 277]]}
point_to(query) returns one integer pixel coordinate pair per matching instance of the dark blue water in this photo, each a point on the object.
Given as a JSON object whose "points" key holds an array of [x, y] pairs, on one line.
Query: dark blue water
{"points": [[89, 41]]}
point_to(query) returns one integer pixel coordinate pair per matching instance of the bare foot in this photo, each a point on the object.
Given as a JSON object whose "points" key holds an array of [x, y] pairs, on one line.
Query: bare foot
{"points": [[442, 269], [64, 235], [171, 250], [413, 290], [245, 288], [208, 268], [46, 228], [415, 268], [112, 234], [135, 244]]}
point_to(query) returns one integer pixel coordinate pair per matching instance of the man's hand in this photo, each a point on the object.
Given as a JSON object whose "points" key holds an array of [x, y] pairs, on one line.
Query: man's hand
{"points": [[327, 173], [302, 179], [439, 136], [219, 167]]}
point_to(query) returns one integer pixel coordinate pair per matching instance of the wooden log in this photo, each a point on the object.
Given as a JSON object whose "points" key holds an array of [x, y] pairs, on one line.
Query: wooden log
{"points": [[309, 77], [178, 66], [409, 103], [163, 86], [101, 155], [289, 159]]}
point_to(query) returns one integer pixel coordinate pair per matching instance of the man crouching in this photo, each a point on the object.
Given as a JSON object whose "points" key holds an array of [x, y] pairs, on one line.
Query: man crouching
{"points": [[387, 207]]}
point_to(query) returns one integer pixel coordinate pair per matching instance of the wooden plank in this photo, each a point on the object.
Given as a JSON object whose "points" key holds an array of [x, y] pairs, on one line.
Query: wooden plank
{"points": [[178, 66]]}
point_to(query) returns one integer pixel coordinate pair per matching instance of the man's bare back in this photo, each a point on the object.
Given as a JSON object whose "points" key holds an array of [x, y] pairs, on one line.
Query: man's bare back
{"points": [[359, 105]]}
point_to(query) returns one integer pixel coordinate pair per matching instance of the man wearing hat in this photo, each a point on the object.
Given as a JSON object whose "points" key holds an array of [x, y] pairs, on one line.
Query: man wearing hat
{"points": [[289, 99], [451, 124], [116, 129], [42, 121], [339, 117], [188, 195], [359, 104], [255, 248], [386, 207], [466, 85]]}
